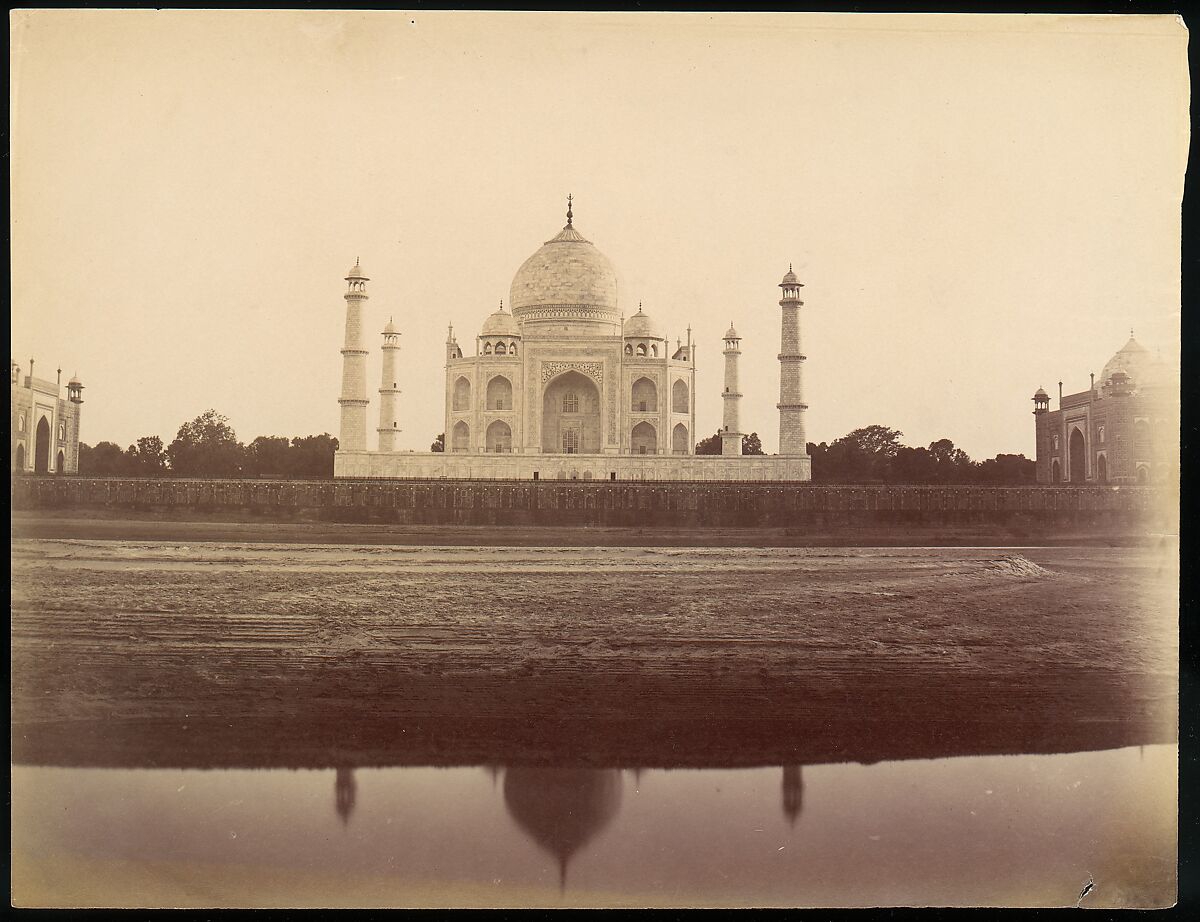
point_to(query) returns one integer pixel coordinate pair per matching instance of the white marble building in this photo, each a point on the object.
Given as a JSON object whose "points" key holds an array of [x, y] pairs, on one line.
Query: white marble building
{"points": [[561, 386]]}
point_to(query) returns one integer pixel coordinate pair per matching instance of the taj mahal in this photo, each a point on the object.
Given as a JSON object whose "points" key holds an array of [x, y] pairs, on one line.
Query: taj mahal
{"points": [[562, 386]]}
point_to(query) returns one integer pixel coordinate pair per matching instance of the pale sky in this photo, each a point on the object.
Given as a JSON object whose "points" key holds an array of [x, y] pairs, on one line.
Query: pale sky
{"points": [[977, 205]]}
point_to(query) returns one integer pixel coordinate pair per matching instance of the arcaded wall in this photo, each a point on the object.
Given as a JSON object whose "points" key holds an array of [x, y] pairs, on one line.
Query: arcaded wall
{"points": [[481, 502]]}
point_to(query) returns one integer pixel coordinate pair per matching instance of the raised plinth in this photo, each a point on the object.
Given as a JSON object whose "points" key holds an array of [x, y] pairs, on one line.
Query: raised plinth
{"points": [[464, 466]]}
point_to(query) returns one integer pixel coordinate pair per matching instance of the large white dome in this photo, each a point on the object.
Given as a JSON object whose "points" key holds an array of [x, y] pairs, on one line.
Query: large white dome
{"points": [[566, 280]]}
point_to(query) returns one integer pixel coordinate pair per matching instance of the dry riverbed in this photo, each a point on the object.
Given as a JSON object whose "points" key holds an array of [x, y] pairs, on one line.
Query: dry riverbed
{"points": [[199, 646]]}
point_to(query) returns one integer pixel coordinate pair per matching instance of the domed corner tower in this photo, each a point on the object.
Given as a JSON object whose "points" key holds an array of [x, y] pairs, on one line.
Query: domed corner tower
{"points": [[500, 334], [568, 287]]}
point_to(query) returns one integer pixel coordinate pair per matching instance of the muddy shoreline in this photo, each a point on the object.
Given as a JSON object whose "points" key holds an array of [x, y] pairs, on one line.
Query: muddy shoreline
{"points": [[183, 525]]}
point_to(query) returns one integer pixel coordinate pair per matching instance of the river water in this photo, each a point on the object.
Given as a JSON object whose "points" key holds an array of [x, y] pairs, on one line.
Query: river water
{"points": [[214, 724], [973, 830]]}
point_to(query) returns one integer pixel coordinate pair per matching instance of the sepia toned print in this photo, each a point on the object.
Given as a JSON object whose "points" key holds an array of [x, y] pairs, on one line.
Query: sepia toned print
{"points": [[698, 546]]}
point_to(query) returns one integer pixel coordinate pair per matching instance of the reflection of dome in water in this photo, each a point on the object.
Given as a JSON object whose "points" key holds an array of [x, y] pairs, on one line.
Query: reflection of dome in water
{"points": [[562, 809]]}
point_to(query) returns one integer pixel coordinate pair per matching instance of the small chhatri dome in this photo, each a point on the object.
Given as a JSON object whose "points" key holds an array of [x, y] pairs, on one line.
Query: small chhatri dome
{"points": [[790, 278], [1040, 392], [500, 323], [391, 327], [732, 333], [356, 272], [74, 380], [641, 326]]}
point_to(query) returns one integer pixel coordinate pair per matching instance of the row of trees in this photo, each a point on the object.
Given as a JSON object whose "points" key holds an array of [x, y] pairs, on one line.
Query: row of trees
{"points": [[751, 444], [875, 454], [208, 447]]}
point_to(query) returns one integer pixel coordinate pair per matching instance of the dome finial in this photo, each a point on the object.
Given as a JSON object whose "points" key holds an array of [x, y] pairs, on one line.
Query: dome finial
{"points": [[570, 198]]}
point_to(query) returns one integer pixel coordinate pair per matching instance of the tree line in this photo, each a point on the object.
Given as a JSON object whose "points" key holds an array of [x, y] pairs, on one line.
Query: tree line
{"points": [[875, 454], [208, 447]]}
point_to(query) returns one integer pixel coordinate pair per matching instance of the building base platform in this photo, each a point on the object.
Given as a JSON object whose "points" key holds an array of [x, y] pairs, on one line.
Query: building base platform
{"points": [[465, 466]]}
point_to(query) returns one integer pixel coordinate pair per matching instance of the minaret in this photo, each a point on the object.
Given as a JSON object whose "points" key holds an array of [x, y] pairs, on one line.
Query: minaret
{"points": [[389, 393], [731, 430], [791, 364], [452, 350], [353, 434], [344, 790]]}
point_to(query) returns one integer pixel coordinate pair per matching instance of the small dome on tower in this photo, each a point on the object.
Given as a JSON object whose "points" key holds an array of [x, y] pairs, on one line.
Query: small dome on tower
{"points": [[391, 327], [732, 333], [356, 272], [74, 380], [1040, 392], [790, 278], [500, 323], [641, 326]]}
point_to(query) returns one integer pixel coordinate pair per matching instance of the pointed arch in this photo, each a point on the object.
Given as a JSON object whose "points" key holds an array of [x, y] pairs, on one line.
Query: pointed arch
{"points": [[644, 396], [679, 439], [41, 450], [1077, 456], [462, 394], [1102, 468], [571, 420], [19, 461], [460, 437], [499, 437], [643, 439], [499, 393], [679, 396]]}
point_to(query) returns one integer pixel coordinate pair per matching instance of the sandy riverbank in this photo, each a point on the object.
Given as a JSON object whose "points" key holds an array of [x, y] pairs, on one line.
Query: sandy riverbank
{"points": [[252, 653]]}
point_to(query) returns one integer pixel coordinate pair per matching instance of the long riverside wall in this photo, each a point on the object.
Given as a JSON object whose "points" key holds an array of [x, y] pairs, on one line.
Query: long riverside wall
{"points": [[601, 503]]}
